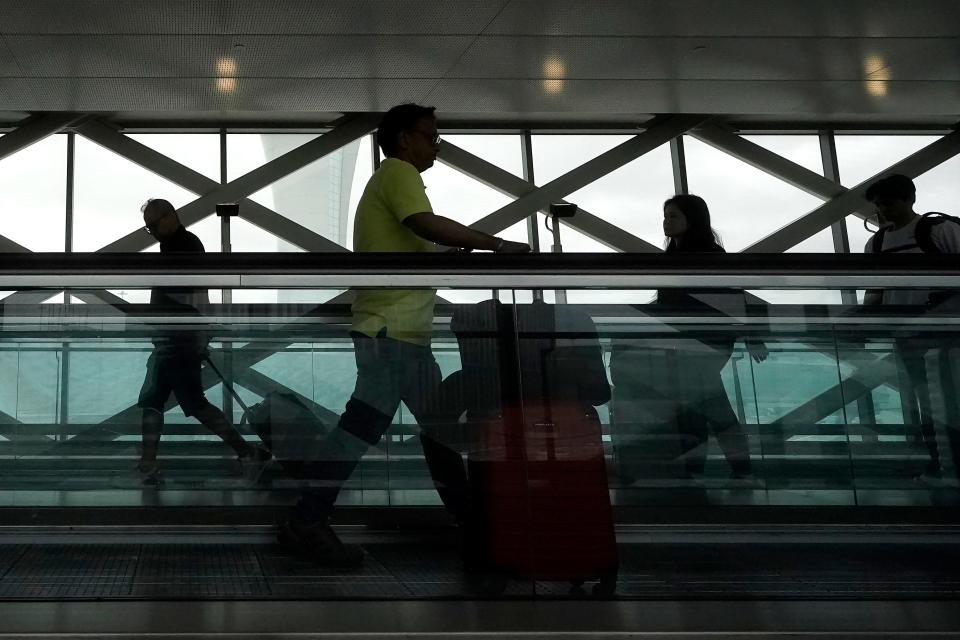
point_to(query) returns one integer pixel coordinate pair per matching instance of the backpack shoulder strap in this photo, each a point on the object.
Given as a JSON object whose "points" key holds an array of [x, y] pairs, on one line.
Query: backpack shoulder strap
{"points": [[877, 242]]}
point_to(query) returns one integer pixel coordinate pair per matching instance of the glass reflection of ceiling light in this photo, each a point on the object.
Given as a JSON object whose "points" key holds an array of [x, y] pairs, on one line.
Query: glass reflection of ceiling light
{"points": [[875, 69], [554, 71], [226, 66], [226, 85], [553, 86]]}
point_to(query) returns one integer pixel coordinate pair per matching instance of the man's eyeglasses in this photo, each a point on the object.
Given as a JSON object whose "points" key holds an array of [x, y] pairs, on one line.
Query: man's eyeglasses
{"points": [[433, 139], [152, 227]]}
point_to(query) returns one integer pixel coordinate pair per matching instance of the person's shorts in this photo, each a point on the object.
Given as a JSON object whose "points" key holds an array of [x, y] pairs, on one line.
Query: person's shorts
{"points": [[177, 374]]}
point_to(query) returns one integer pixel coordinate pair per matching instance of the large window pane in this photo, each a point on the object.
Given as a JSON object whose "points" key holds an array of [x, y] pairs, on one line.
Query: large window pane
{"points": [[746, 204], [460, 197], [502, 150], [361, 175], [631, 198], [555, 155], [804, 150], [109, 193], [247, 151], [939, 188], [863, 156], [199, 151], [208, 230], [317, 196], [33, 195]]}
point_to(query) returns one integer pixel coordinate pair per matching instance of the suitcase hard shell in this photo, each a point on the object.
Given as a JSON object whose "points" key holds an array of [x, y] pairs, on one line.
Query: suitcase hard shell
{"points": [[541, 485]]}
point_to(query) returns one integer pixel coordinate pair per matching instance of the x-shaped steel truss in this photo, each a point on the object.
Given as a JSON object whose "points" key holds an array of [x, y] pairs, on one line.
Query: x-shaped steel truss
{"points": [[528, 198]]}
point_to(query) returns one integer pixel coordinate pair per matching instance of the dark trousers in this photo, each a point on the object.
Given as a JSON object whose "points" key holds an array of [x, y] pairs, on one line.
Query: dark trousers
{"points": [[388, 371], [912, 356], [681, 398], [716, 414]]}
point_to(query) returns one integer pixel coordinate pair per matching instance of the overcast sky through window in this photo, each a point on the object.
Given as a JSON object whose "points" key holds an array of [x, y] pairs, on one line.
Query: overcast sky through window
{"points": [[746, 203]]}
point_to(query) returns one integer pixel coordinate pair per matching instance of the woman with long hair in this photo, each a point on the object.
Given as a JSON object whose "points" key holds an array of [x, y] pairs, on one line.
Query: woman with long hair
{"points": [[702, 404]]}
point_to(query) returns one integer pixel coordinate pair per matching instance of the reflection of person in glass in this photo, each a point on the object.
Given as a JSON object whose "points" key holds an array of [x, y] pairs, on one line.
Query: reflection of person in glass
{"points": [[904, 230], [701, 400], [174, 366], [391, 335]]}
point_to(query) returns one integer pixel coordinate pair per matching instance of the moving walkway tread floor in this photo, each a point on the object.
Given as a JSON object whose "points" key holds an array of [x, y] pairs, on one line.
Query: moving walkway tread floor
{"points": [[404, 567]]}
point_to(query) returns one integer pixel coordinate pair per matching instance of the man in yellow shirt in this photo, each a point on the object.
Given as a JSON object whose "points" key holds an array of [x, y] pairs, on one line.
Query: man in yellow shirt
{"points": [[391, 334]]}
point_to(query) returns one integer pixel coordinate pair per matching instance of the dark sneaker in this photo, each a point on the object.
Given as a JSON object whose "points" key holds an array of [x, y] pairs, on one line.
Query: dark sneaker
{"points": [[473, 544], [932, 476], [253, 466], [319, 543], [149, 474]]}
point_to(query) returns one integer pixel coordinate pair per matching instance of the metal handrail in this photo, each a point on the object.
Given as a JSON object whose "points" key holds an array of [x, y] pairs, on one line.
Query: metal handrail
{"points": [[477, 271]]}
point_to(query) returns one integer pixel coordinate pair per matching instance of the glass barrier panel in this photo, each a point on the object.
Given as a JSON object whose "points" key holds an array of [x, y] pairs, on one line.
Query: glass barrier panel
{"points": [[536, 420]]}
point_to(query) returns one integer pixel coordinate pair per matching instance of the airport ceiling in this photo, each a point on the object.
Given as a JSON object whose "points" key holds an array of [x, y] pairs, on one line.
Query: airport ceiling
{"points": [[534, 61]]}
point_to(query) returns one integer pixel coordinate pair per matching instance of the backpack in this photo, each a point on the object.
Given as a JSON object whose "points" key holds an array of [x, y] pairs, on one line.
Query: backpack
{"points": [[923, 234]]}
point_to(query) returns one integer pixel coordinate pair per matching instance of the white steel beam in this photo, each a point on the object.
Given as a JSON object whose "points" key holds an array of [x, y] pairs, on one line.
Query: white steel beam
{"points": [[678, 160], [187, 178], [516, 187], [35, 130], [18, 139], [286, 229], [349, 129], [768, 161], [590, 171], [849, 201]]}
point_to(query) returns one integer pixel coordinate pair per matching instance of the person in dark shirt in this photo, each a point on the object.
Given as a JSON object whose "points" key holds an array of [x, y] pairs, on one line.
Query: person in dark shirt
{"points": [[177, 358], [673, 387], [702, 399]]}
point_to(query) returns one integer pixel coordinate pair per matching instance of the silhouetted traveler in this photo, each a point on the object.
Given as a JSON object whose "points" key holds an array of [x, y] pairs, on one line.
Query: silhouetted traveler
{"points": [[391, 333], [905, 231], [177, 358], [686, 389]]}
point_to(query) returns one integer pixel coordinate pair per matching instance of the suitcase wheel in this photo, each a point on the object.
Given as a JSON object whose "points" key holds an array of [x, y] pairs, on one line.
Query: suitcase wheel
{"points": [[607, 585]]}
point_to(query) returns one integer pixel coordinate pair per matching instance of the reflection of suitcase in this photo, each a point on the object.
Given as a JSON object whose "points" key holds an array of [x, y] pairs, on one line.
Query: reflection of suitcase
{"points": [[286, 426], [537, 470], [541, 484], [288, 429]]}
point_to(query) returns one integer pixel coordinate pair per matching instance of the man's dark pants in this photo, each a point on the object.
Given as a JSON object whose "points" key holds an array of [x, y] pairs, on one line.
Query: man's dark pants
{"points": [[388, 371]]}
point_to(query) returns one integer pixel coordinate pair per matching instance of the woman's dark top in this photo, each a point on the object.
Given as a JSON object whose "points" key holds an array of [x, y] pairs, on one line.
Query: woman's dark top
{"points": [[686, 302]]}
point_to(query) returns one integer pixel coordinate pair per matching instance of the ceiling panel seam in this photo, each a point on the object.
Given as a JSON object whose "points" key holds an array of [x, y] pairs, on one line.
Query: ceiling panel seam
{"points": [[16, 61], [467, 48]]}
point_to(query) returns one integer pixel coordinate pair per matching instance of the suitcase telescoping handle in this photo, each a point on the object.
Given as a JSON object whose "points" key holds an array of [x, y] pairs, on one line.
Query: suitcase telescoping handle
{"points": [[229, 386]]}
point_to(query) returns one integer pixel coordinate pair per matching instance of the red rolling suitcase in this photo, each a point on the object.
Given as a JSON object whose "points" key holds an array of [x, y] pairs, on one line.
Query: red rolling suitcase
{"points": [[537, 467]]}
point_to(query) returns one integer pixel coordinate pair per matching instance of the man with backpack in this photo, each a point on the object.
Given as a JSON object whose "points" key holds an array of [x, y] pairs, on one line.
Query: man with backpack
{"points": [[903, 230]]}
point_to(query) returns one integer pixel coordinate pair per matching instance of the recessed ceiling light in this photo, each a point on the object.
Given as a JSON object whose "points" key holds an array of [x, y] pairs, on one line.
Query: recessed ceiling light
{"points": [[226, 66]]}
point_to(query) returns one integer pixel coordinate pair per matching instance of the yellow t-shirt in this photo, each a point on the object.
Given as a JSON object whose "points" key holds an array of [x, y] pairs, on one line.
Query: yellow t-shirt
{"points": [[393, 193]]}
